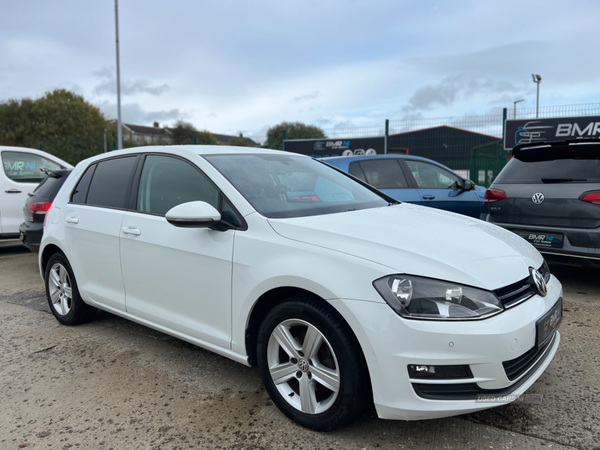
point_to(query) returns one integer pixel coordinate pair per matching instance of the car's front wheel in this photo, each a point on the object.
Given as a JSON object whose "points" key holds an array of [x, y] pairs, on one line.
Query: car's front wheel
{"points": [[63, 296], [311, 364]]}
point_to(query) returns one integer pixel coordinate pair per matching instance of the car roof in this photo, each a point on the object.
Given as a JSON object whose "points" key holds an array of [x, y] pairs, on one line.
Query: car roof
{"points": [[192, 150], [365, 157]]}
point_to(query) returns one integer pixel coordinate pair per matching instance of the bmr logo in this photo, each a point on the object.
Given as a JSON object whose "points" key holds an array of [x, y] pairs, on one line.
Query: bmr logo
{"points": [[19, 166], [338, 144], [573, 129]]}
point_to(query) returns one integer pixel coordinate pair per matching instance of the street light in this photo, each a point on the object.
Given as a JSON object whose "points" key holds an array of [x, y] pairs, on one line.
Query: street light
{"points": [[119, 129], [515, 105], [537, 79]]}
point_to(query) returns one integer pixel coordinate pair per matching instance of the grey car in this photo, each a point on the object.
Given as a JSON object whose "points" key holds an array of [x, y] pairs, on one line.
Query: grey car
{"points": [[549, 194]]}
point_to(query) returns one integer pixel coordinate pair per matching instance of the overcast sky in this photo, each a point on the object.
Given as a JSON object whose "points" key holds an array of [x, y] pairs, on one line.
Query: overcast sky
{"points": [[233, 66]]}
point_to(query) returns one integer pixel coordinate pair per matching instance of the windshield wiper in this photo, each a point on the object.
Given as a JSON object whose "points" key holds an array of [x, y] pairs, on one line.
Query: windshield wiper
{"points": [[562, 180]]}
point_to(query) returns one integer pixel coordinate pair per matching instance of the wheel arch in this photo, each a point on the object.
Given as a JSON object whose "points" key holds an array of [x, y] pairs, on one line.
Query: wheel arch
{"points": [[45, 256], [273, 297]]}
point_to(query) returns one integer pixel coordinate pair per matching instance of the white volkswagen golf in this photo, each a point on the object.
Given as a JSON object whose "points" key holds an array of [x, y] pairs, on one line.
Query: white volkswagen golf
{"points": [[340, 295]]}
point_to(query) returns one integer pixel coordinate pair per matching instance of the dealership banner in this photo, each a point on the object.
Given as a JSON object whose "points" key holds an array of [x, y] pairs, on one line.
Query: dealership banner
{"points": [[531, 131], [322, 148]]}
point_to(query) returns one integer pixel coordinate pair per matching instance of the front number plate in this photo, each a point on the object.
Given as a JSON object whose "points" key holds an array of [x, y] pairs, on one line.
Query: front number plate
{"points": [[547, 325]]}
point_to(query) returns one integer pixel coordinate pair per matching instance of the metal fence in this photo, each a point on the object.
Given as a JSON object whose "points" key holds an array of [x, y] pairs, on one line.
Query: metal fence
{"points": [[470, 145]]}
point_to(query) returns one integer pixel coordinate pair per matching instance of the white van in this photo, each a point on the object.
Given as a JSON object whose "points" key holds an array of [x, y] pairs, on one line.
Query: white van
{"points": [[20, 175]]}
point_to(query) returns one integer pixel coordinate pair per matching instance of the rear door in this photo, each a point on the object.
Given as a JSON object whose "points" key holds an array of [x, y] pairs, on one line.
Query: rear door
{"points": [[441, 188], [93, 220], [20, 176]]}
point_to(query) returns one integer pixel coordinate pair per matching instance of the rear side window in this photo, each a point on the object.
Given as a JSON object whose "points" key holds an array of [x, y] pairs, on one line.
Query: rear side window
{"points": [[384, 174], [553, 171], [109, 184], [24, 167], [80, 193]]}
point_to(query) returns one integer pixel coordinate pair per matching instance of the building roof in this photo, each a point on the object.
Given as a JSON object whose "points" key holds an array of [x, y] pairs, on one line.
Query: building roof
{"points": [[422, 130], [225, 138], [147, 130]]}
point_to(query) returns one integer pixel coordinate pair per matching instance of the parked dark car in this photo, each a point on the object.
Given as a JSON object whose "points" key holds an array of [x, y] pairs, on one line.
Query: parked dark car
{"points": [[549, 194], [417, 180], [37, 205]]}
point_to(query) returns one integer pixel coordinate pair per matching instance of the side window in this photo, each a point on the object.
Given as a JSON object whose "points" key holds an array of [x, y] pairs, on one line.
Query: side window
{"points": [[355, 170], [109, 183], [384, 173], [24, 167], [167, 182], [81, 190], [429, 176]]}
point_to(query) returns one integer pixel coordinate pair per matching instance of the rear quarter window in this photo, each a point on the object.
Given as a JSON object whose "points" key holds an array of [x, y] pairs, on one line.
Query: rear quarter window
{"points": [[108, 186]]}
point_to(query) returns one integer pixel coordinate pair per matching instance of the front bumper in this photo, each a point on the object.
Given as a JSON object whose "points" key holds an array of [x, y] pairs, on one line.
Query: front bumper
{"points": [[391, 343]]}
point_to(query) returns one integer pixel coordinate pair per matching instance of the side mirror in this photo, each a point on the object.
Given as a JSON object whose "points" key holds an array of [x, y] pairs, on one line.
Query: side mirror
{"points": [[468, 185], [193, 215]]}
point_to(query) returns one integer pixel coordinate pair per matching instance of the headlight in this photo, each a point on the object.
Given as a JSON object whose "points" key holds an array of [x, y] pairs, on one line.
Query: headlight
{"points": [[426, 298]]}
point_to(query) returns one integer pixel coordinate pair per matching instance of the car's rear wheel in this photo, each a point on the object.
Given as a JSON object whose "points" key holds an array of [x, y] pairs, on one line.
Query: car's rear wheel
{"points": [[311, 364], [62, 293]]}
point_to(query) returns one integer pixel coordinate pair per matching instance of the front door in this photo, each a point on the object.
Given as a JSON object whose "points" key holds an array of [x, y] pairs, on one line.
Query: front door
{"points": [[177, 278]]}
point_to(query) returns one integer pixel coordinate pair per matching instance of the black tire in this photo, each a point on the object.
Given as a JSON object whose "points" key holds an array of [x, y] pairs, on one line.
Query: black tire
{"points": [[337, 359], [68, 309]]}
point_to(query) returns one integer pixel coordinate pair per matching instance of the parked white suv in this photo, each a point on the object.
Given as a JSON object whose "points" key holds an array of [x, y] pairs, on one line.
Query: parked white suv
{"points": [[20, 175], [339, 294]]}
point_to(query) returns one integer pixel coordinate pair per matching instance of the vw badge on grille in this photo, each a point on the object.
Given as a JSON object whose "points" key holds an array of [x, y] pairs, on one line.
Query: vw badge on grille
{"points": [[537, 282], [538, 198]]}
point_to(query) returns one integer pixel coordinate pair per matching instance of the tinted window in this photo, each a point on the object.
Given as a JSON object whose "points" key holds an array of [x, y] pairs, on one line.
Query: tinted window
{"points": [[429, 176], [356, 171], [109, 183], [24, 167], [50, 186], [167, 182], [384, 173], [554, 171], [280, 186], [81, 190]]}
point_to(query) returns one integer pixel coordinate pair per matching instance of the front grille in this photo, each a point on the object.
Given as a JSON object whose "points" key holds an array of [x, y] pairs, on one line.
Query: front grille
{"points": [[521, 290], [515, 293], [518, 366]]}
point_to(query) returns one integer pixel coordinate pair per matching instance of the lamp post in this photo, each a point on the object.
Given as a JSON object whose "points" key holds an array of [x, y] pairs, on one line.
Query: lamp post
{"points": [[537, 79], [119, 127], [515, 107]]}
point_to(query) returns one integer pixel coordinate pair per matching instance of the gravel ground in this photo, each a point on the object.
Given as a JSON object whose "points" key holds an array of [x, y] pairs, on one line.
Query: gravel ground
{"points": [[112, 384]]}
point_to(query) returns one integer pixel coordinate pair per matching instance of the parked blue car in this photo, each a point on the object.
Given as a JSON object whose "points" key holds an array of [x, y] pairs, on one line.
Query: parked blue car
{"points": [[414, 179]]}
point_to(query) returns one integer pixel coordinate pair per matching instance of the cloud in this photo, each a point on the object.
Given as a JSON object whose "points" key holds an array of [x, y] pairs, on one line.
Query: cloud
{"points": [[134, 114], [311, 96], [108, 85]]}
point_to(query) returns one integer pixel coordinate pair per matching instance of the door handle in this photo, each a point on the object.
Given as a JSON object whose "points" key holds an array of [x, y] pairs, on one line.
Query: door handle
{"points": [[428, 197], [13, 191], [72, 220], [129, 230]]}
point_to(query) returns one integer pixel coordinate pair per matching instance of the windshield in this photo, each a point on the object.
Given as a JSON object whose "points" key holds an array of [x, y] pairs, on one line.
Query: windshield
{"points": [[282, 186]]}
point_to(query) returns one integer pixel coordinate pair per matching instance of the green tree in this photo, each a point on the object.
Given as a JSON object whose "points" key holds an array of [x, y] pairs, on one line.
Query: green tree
{"points": [[294, 130], [62, 122]]}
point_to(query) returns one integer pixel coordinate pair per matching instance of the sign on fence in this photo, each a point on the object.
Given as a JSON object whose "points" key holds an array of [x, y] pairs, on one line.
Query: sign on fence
{"points": [[550, 130], [322, 148]]}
